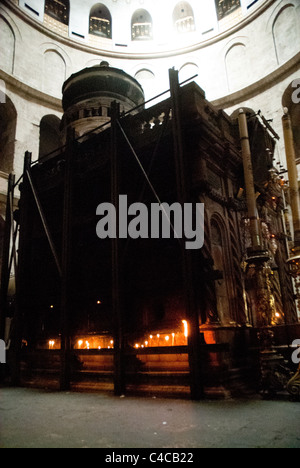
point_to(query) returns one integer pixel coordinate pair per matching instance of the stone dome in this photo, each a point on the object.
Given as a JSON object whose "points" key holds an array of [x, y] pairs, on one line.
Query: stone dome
{"points": [[102, 81], [88, 94]]}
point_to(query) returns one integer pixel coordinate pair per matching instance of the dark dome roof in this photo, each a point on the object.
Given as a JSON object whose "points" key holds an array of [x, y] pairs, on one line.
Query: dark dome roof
{"points": [[102, 81]]}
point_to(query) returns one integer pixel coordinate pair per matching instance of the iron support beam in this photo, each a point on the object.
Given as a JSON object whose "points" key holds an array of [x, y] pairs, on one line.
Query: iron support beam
{"points": [[188, 266], [44, 222], [5, 270], [119, 375], [22, 283], [65, 370]]}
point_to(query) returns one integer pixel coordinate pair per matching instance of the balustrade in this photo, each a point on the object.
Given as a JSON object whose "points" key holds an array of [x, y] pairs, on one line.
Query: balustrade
{"points": [[186, 24], [142, 31], [100, 27]]}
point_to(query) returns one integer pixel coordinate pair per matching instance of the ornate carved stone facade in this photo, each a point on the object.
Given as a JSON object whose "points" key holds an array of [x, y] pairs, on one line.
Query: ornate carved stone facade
{"points": [[48, 42], [224, 280]]}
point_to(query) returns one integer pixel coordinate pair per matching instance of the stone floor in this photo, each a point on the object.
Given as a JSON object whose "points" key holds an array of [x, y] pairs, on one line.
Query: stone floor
{"points": [[31, 418]]}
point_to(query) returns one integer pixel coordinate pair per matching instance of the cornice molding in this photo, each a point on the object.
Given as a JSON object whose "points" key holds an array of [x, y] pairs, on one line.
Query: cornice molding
{"points": [[23, 90]]}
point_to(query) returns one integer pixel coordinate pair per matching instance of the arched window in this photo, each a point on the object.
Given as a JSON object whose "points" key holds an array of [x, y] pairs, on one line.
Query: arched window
{"points": [[58, 9], [183, 18], [100, 21], [225, 7], [141, 26]]}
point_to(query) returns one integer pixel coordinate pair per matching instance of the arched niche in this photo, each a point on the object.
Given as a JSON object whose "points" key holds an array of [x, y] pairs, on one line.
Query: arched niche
{"points": [[286, 34], [146, 78], [183, 18], [237, 67], [50, 135], [141, 26], [187, 71], [53, 82], [59, 10], [100, 21], [7, 53]]}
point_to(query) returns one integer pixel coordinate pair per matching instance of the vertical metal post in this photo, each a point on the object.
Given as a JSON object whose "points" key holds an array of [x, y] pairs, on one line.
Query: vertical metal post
{"points": [[22, 284], [65, 371], [5, 273], [293, 386], [262, 317], [119, 377], [293, 177], [194, 342], [249, 181]]}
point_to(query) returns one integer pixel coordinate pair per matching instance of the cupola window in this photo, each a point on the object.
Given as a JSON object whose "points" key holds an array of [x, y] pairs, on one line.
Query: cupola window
{"points": [[58, 9], [183, 18], [226, 7], [100, 21], [141, 26]]}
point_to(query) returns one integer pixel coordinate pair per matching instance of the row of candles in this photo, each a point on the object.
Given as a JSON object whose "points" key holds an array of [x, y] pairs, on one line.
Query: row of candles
{"points": [[178, 338]]}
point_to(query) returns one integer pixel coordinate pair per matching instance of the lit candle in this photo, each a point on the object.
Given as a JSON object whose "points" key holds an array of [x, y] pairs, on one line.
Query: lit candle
{"points": [[186, 330]]}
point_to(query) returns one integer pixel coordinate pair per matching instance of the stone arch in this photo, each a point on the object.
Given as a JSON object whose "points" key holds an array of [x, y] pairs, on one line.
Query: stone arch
{"points": [[50, 135], [141, 26], [53, 83], [237, 67], [100, 21], [188, 70], [145, 76], [286, 45], [7, 53]]}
